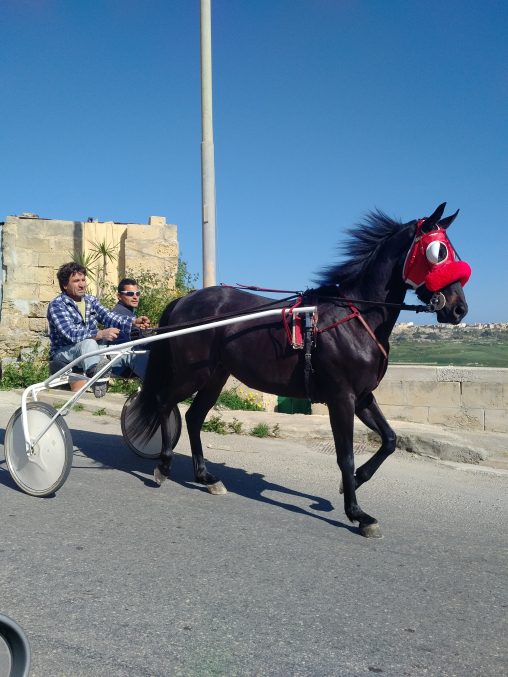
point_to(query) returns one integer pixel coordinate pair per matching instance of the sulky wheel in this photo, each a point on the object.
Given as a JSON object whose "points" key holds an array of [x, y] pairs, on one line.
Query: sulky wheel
{"points": [[43, 471], [152, 449]]}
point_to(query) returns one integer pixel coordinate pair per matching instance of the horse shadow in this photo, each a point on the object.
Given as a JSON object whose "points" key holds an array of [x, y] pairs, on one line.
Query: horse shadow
{"points": [[108, 451]]}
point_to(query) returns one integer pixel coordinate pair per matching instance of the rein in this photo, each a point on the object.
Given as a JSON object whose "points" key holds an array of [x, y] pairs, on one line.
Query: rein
{"points": [[429, 308]]}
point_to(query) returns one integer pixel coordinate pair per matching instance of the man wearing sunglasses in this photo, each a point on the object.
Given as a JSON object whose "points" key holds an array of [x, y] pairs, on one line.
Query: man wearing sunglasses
{"points": [[128, 300]]}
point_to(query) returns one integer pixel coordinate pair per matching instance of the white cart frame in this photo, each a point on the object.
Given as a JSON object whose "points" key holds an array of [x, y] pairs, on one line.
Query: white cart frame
{"points": [[23, 446]]}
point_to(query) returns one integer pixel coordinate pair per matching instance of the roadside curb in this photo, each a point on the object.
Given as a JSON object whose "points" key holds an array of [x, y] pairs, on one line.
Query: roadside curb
{"points": [[448, 445]]}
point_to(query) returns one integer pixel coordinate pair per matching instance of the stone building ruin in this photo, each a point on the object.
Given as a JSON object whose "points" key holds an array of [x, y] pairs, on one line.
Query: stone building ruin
{"points": [[33, 248]]}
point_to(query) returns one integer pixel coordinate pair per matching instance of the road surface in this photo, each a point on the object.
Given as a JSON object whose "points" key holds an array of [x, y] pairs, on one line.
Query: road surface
{"points": [[114, 576]]}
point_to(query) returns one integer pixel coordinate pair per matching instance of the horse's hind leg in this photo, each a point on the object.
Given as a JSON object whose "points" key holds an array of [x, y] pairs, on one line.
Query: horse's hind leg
{"points": [[371, 415], [161, 472], [342, 420], [195, 416]]}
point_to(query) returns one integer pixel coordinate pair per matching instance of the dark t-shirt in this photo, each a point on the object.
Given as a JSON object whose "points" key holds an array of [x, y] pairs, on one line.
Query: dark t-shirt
{"points": [[123, 336]]}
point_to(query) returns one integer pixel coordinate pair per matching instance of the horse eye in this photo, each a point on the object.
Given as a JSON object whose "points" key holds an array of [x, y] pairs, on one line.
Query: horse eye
{"points": [[436, 252]]}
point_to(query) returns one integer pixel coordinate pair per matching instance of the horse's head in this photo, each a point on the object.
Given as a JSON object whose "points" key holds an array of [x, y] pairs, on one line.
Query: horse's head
{"points": [[434, 269]]}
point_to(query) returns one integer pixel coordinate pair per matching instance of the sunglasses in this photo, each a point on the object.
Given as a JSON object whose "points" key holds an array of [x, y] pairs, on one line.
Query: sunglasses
{"points": [[131, 293]]}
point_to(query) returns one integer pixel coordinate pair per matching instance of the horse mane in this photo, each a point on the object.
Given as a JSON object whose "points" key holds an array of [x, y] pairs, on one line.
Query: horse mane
{"points": [[364, 241]]}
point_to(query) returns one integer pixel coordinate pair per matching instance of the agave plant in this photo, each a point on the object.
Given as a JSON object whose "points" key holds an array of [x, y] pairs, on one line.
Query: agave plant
{"points": [[103, 252], [95, 263]]}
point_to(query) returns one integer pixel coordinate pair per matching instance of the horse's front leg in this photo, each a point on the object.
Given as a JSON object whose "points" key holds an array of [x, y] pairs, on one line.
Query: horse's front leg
{"points": [[371, 415], [195, 416], [342, 422]]}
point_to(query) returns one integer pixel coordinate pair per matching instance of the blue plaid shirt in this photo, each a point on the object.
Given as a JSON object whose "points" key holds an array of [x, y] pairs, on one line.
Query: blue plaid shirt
{"points": [[66, 324]]}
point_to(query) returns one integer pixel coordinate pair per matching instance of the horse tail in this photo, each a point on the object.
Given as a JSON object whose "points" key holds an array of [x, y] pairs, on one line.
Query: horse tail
{"points": [[143, 415]]}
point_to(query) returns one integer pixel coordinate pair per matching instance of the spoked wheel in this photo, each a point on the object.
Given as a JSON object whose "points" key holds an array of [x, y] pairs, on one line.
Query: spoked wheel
{"points": [[43, 471], [152, 449]]}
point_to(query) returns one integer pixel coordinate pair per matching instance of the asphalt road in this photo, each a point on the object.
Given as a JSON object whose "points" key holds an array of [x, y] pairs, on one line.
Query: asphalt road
{"points": [[114, 576]]}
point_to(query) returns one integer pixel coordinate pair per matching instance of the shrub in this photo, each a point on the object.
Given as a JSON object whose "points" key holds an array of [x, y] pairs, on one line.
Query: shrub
{"points": [[261, 430], [215, 424], [156, 295], [33, 368], [234, 399], [235, 426]]}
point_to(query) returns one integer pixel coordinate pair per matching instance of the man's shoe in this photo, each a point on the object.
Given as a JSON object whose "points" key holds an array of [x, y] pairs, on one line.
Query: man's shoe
{"points": [[100, 387], [97, 367]]}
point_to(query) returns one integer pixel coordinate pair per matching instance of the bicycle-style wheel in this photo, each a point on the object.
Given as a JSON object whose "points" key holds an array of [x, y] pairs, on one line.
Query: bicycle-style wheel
{"points": [[43, 471], [152, 449]]}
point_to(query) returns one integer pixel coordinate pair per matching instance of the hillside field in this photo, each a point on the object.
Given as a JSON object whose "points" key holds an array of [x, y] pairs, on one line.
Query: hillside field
{"points": [[457, 348]]}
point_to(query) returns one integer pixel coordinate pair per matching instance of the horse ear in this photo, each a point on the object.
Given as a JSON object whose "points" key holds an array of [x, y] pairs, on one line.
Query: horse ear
{"points": [[444, 223], [431, 222]]}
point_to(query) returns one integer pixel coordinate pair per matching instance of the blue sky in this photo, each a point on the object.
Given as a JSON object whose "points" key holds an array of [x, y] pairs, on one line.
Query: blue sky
{"points": [[323, 110]]}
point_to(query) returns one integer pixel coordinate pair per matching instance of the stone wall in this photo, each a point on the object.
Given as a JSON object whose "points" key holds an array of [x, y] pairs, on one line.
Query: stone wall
{"points": [[467, 398], [464, 398], [33, 249]]}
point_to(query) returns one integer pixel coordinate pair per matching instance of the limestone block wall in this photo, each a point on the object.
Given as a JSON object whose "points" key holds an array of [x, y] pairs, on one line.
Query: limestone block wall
{"points": [[33, 249], [470, 398], [464, 398]]}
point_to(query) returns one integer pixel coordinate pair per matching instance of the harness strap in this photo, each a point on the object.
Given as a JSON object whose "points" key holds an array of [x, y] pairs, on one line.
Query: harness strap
{"points": [[285, 323], [356, 313]]}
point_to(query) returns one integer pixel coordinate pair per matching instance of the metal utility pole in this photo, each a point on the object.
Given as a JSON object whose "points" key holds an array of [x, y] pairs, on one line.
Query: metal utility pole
{"points": [[207, 150]]}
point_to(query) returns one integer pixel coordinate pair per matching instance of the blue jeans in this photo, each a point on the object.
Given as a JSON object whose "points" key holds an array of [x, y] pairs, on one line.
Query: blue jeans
{"points": [[135, 362], [69, 353]]}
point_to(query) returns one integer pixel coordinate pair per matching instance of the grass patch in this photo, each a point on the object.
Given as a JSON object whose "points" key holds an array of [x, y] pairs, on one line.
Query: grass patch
{"points": [[100, 412], [445, 353], [260, 430]]}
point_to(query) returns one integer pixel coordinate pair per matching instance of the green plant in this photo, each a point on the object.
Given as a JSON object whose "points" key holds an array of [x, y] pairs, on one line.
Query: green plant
{"points": [[155, 293], [235, 426], [33, 368], [263, 430], [184, 281], [260, 430], [215, 424], [235, 399], [100, 412], [95, 262], [125, 386]]}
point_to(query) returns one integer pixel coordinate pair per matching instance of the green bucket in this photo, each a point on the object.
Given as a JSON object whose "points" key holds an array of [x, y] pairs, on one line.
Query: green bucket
{"points": [[293, 405]]}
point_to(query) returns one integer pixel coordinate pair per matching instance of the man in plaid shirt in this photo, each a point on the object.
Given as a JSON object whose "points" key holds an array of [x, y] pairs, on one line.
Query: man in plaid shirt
{"points": [[73, 318]]}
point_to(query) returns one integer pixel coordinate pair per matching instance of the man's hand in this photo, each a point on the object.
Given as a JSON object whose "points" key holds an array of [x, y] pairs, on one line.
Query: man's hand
{"points": [[142, 322], [109, 334]]}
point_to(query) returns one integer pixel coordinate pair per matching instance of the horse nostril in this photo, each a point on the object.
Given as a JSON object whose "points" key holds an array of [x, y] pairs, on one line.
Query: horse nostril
{"points": [[459, 311]]}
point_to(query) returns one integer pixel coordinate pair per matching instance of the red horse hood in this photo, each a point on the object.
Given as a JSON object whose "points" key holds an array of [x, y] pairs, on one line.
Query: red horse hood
{"points": [[432, 261]]}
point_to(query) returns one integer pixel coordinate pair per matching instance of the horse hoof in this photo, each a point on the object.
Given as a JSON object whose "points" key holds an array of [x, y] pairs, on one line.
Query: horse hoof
{"points": [[371, 530], [159, 477], [217, 489]]}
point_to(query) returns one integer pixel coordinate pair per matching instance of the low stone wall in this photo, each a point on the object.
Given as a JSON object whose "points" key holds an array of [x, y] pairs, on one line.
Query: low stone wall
{"points": [[463, 398], [466, 398]]}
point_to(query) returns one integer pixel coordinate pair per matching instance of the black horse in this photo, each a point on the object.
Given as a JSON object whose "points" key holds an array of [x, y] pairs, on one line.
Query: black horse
{"points": [[358, 303]]}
